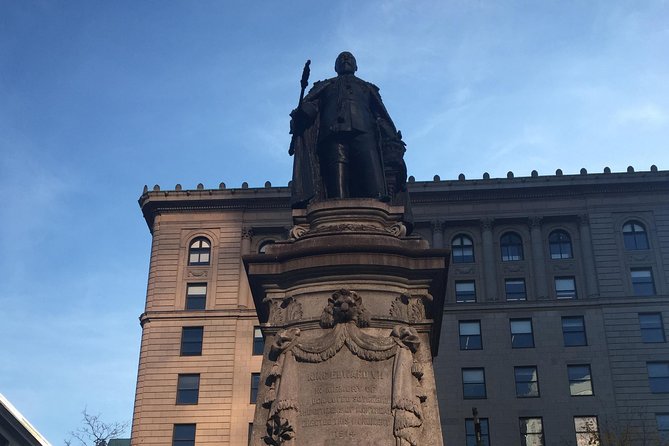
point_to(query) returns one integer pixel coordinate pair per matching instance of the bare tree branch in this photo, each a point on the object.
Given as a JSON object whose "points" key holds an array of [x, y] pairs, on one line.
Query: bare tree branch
{"points": [[94, 431]]}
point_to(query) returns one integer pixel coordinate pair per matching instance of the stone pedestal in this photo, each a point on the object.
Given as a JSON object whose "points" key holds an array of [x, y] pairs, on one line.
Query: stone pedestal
{"points": [[350, 308]]}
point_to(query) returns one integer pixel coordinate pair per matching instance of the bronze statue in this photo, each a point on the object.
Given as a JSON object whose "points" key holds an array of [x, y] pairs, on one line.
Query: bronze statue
{"points": [[344, 141]]}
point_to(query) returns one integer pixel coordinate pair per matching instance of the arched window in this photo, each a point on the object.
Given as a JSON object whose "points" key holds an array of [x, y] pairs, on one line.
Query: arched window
{"points": [[199, 252], [559, 244], [463, 249], [263, 246], [634, 235], [512, 247]]}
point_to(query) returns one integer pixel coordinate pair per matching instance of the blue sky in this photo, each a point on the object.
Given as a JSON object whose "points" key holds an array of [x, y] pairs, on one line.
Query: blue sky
{"points": [[99, 98]]}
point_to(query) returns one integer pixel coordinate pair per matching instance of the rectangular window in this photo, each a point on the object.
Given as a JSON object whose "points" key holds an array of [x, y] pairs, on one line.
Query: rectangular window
{"points": [[183, 435], [565, 287], [658, 376], [255, 384], [258, 341], [465, 291], [573, 331], [580, 380], [642, 282], [527, 382], [515, 289], [470, 335], [662, 420], [521, 333], [587, 431], [191, 341], [188, 388], [250, 434], [470, 431], [473, 383], [652, 328], [196, 296], [531, 432]]}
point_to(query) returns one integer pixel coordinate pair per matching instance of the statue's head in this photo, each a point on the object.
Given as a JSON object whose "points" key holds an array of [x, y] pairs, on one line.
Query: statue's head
{"points": [[345, 63]]}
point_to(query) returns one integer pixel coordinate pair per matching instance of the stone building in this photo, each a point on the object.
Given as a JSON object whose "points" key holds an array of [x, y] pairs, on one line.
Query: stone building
{"points": [[553, 326]]}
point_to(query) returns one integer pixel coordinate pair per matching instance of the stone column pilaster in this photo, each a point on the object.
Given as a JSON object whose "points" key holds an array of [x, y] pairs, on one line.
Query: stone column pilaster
{"points": [[437, 234], [538, 258], [587, 254], [489, 275]]}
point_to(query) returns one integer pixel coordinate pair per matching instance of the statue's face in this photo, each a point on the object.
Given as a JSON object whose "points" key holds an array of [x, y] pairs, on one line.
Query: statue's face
{"points": [[345, 63]]}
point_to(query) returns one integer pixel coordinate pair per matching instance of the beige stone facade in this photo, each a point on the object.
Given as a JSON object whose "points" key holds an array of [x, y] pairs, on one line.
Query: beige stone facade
{"points": [[592, 209]]}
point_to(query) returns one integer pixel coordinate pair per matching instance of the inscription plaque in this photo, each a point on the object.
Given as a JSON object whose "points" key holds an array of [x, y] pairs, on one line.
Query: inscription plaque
{"points": [[342, 398]]}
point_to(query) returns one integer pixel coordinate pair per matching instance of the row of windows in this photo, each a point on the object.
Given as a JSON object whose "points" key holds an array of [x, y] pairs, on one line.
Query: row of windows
{"points": [[586, 429], [565, 287], [191, 341], [531, 429], [527, 381], [559, 244], [651, 329], [578, 375], [188, 388], [511, 245]]}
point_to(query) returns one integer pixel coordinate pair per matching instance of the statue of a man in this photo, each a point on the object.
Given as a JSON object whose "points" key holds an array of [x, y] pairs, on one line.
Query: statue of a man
{"points": [[345, 144]]}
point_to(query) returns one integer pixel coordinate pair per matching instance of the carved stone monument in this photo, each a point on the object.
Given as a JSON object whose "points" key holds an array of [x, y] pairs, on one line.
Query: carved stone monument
{"points": [[350, 307]]}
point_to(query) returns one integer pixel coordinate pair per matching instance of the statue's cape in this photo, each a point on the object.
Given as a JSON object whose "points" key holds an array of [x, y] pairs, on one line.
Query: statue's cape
{"points": [[307, 185]]}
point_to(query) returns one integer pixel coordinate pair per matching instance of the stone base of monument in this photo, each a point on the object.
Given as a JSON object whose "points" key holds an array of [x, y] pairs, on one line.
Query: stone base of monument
{"points": [[350, 307]]}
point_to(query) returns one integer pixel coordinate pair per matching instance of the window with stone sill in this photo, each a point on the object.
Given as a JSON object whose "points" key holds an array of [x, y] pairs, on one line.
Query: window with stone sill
{"points": [[527, 381], [511, 245], [199, 252], [191, 341], [515, 289], [634, 236], [587, 431], [465, 291], [473, 383], [462, 249], [258, 341], [559, 243], [196, 296], [580, 380], [521, 333], [651, 328], [662, 420], [255, 384], [532, 431], [470, 432], [658, 376], [565, 287], [188, 388], [470, 335], [183, 435], [573, 331], [642, 281]]}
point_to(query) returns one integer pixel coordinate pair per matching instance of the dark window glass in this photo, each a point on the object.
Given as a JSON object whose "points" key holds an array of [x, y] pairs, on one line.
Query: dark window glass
{"points": [[652, 328], [191, 341], [587, 431], [521, 333], [573, 331], [642, 282], [188, 388], [559, 243], [531, 432], [250, 434], [658, 377], [199, 252], [515, 289], [470, 335], [255, 383], [512, 247], [473, 383], [634, 236], [183, 435], [462, 248], [465, 291], [662, 420], [196, 296], [527, 382], [470, 430], [580, 380], [258, 341], [565, 287]]}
